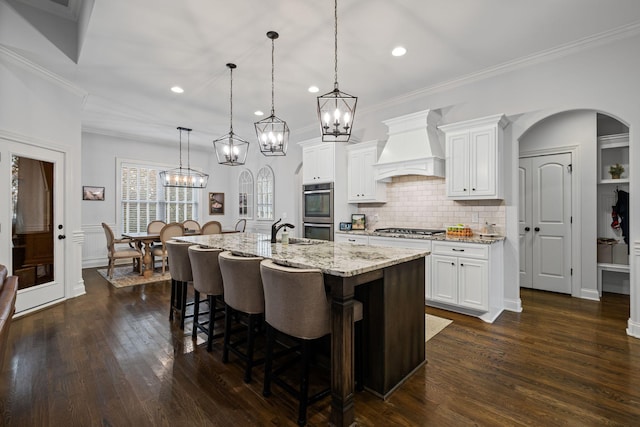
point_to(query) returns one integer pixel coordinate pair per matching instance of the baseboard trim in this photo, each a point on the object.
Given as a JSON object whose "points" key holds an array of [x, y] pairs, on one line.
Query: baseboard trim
{"points": [[633, 329]]}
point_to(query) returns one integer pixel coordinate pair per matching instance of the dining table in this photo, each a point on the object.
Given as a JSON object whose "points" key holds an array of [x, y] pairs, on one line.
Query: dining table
{"points": [[145, 240], [390, 284]]}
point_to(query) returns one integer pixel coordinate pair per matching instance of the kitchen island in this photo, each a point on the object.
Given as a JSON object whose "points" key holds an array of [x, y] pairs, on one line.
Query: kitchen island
{"points": [[390, 284]]}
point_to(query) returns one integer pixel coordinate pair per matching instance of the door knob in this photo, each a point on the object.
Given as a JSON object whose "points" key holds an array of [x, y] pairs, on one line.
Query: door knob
{"points": [[537, 229], [61, 236], [527, 228]]}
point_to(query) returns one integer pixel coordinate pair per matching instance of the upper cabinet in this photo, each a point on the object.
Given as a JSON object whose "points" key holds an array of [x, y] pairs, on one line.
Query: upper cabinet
{"points": [[318, 162], [362, 186], [474, 158]]}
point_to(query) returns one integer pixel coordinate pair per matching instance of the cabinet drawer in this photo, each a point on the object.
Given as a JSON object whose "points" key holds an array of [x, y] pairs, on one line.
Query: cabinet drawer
{"points": [[399, 242], [351, 238], [469, 250]]}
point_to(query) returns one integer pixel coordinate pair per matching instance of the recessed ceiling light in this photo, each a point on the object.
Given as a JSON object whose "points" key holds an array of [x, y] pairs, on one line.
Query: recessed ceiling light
{"points": [[177, 89], [398, 51], [313, 89], [259, 113]]}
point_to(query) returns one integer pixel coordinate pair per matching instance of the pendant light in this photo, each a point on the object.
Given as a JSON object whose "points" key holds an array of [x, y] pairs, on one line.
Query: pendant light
{"points": [[184, 177], [272, 132], [336, 110], [230, 149]]}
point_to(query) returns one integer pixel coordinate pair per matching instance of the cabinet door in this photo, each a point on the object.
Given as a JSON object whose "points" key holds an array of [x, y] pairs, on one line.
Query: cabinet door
{"points": [[444, 279], [457, 167], [309, 165], [367, 178], [324, 163], [355, 167], [482, 162], [473, 288]]}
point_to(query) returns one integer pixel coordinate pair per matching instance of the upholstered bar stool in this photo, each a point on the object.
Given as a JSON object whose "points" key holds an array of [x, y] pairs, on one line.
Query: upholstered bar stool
{"points": [[181, 275], [242, 293], [206, 280], [297, 305]]}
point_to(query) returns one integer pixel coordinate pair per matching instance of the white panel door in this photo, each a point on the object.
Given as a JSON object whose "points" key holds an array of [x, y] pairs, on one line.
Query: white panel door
{"points": [[524, 223], [473, 289], [33, 239], [444, 279], [551, 196], [482, 162]]}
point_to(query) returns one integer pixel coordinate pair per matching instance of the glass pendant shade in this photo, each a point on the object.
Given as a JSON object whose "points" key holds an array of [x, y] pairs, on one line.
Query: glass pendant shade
{"points": [[336, 110], [272, 132], [231, 150], [184, 177]]}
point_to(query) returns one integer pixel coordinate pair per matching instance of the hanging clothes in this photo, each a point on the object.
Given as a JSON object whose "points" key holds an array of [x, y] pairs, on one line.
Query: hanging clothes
{"points": [[622, 209]]}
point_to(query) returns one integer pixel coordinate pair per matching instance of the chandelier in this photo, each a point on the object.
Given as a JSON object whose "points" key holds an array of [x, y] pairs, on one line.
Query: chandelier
{"points": [[336, 109], [184, 177], [231, 150], [272, 132]]}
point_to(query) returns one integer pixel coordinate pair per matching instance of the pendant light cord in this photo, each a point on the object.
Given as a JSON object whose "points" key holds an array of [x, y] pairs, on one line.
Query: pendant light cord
{"points": [[272, 84], [188, 150], [180, 148], [335, 47], [231, 103]]}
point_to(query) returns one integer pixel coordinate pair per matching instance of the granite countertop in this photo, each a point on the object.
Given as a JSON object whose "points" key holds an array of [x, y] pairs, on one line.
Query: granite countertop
{"points": [[476, 238], [337, 259]]}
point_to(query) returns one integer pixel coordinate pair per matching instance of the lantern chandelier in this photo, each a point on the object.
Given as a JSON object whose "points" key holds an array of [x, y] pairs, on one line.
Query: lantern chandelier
{"points": [[272, 132], [230, 149], [184, 177], [336, 110]]}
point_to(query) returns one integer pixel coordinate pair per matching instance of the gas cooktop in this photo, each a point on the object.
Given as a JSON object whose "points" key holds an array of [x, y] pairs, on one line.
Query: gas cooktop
{"points": [[420, 231]]}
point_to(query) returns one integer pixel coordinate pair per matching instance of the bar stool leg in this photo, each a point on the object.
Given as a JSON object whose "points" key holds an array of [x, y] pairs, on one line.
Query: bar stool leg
{"points": [[227, 333], [304, 383], [268, 362], [173, 299], [250, 341], [196, 314], [183, 304], [211, 326]]}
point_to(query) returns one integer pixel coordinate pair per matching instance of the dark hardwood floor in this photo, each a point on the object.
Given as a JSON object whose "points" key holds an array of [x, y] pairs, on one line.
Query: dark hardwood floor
{"points": [[112, 358]]}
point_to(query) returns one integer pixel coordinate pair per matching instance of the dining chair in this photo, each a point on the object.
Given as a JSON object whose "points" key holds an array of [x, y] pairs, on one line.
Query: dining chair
{"points": [[168, 232], [191, 225], [241, 225], [155, 226], [114, 253], [297, 304], [211, 227]]}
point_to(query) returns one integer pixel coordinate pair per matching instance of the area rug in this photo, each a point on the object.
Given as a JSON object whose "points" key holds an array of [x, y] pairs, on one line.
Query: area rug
{"points": [[125, 276], [433, 325]]}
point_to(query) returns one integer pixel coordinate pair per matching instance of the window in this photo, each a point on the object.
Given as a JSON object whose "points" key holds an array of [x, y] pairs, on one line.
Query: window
{"points": [[245, 194], [264, 191], [144, 199]]}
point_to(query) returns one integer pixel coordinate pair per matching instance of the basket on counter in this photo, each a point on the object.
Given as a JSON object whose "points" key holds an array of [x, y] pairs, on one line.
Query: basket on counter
{"points": [[459, 231]]}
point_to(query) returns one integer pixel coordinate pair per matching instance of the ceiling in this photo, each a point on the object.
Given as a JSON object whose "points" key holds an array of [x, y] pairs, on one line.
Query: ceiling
{"points": [[133, 51]]}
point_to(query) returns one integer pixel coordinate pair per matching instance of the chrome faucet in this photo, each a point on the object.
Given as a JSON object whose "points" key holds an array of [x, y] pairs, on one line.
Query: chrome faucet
{"points": [[275, 228]]}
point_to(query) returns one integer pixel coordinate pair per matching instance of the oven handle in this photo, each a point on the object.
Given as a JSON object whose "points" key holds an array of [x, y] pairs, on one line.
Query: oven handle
{"points": [[318, 225], [317, 192]]}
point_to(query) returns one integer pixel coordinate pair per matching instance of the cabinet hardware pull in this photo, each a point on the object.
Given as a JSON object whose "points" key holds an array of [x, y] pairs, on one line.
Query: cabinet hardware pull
{"points": [[457, 250], [527, 228], [453, 263], [352, 240], [537, 229]]}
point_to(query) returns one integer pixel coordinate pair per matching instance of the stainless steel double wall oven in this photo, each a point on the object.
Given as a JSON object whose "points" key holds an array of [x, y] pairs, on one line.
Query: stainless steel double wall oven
{"points": [[317, 201]]}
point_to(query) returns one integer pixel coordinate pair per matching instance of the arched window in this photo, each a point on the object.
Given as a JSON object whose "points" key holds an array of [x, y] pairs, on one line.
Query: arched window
{"points": [[264, 191], [245, 194]]}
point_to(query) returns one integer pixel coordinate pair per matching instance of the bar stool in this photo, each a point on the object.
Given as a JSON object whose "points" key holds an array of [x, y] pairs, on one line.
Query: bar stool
{"points": [[297, 305], [207, 280], [242, 293], [181, 275]]}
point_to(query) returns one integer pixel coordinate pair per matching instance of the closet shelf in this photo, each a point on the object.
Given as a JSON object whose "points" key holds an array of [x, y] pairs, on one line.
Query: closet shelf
{"points": [[614, 181]]}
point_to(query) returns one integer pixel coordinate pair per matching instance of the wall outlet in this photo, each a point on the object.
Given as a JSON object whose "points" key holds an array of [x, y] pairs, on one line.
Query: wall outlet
{"points": [[475, 217]]}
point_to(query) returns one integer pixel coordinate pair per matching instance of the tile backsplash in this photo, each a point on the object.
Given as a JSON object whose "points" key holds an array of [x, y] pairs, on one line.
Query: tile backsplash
{"points": [[421, 202]]}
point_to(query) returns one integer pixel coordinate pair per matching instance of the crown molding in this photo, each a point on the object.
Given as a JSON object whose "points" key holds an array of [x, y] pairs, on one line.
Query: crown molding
{"points": [[31, 66]]}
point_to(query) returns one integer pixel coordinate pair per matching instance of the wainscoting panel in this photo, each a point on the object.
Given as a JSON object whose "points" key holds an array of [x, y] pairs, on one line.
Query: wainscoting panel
{"points": [[94, 251]]}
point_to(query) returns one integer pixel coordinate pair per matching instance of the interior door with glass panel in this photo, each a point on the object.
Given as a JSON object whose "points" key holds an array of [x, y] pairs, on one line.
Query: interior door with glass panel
{"points": [[33, 237]]}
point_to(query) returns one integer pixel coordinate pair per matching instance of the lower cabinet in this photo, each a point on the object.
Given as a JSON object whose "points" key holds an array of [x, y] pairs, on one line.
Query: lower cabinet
{"points": [[356, 239], [467, 277]]}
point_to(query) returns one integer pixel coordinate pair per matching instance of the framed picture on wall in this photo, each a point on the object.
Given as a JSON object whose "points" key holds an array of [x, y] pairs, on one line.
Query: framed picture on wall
{"points": [[92, 193], [358, 222], [216, 203]]}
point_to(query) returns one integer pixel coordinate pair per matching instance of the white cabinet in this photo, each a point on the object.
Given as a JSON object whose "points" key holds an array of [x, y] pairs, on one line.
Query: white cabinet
{"points": [[355, 239], [362, 186], [467, 277], [474, 158], [318, 162]]}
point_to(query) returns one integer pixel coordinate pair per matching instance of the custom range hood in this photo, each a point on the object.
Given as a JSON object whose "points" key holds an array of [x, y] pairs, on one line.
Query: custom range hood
{"points": [[414, 147]]}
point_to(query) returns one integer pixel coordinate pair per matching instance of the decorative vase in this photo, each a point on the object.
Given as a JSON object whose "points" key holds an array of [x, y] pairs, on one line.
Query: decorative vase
{"points": [[615, 176]]}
